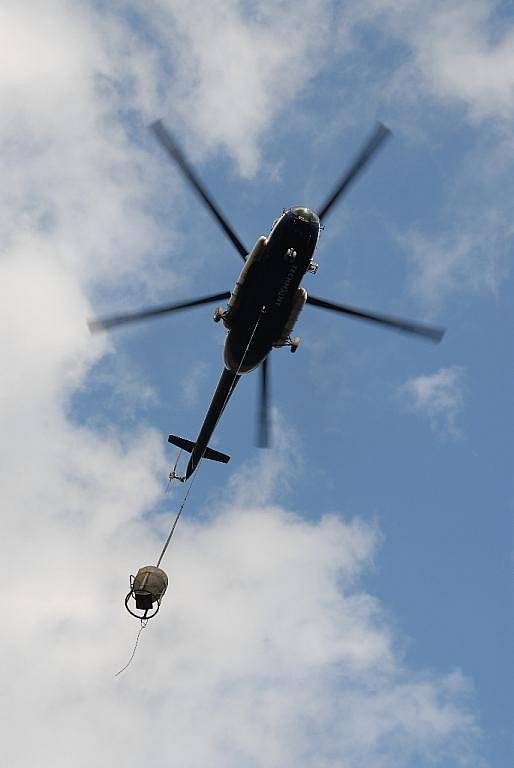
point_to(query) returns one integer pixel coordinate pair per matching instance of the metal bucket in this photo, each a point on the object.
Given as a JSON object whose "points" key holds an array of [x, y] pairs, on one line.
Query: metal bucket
{"points": [[147, 588]]}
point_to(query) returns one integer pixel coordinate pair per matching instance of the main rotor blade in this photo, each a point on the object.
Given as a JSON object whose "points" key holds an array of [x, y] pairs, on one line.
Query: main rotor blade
{"points": [[368, 150], [104, 323], [263, 439], [406, 326], [167, 141]]}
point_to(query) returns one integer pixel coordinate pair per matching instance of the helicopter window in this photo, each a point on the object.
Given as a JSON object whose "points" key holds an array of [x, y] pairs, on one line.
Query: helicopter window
{"points": [[305, 213]]}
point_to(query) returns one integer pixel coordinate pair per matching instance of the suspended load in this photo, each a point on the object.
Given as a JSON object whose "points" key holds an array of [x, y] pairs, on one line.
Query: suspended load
{"points": [[147, 589]]}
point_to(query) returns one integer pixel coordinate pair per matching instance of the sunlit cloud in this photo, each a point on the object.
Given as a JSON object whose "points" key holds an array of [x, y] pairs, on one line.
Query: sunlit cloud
{"points": [[472, 259], [459, 51], [457, 57], [439, 396], [192, 383]]}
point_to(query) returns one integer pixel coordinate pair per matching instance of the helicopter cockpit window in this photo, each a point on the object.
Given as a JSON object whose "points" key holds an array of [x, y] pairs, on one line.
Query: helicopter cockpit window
{"points": [[305, 214]]}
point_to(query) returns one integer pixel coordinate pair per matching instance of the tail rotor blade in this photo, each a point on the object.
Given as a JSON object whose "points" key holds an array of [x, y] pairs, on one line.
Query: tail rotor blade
{"points": [[368, 150], [105, 323], [168, 143], [430, 332], [263, 440]]}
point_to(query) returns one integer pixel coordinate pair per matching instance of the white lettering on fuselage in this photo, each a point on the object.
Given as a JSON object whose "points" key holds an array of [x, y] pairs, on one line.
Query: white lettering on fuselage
{"points": [[285, 288]]}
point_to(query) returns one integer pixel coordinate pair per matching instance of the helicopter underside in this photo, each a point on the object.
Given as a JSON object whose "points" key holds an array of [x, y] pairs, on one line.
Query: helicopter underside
{"points": [[267, 299], [247, 345]]}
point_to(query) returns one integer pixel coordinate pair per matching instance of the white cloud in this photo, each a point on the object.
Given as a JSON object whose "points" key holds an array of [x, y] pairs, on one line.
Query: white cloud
{"points": [[470, 259], [460, 51], [238, 67], [448, 86], [267, 651], [73, 181], [277, 468], [192, 382], [440, 396], [464, 55]]}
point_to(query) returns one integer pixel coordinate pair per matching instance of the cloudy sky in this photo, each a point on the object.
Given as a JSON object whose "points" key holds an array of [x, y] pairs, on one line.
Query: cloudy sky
{"points": [[344, 599]]}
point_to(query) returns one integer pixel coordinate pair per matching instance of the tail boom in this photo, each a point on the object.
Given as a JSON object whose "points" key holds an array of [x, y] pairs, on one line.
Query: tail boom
{"points": [[200, 449], [189, 446]]}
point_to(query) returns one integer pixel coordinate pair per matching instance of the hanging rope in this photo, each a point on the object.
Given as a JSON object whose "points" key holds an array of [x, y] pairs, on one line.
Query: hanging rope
{"points": [[172, 474], [144, 622], [177, 517], [176, 520]]}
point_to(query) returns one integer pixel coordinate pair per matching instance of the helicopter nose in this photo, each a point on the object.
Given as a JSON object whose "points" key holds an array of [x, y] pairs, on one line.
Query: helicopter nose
{"points": [[305, 214]]}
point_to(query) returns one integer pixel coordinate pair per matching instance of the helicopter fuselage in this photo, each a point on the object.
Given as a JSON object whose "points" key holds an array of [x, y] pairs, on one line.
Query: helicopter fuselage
{"points": [[261, 308], [267, 289]]}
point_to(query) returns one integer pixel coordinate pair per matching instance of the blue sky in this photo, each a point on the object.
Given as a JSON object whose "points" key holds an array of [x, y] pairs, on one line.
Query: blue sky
{"points": [[345, 598]]}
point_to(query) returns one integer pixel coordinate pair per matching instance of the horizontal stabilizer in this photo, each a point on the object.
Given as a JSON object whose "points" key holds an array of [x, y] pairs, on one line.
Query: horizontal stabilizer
{"points": [[188, 445]]}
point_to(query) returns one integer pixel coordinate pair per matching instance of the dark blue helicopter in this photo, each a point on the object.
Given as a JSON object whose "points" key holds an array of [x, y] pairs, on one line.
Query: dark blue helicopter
{"points": [[267, 298]]}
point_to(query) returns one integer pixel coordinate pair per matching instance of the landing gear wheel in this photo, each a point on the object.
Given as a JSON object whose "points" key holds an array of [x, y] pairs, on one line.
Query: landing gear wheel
{"points": [[295, 344], [218, 314]]}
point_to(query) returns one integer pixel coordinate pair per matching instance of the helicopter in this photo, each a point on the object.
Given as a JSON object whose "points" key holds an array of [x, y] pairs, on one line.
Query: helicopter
{"points": [[267, 299]]}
